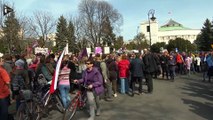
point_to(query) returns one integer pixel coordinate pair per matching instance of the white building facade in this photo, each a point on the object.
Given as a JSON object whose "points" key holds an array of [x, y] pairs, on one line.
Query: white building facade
{"points": [[170, 30]]}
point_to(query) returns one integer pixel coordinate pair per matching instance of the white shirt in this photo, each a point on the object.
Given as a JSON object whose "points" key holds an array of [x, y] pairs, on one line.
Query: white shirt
{"points": [[198, 60]]}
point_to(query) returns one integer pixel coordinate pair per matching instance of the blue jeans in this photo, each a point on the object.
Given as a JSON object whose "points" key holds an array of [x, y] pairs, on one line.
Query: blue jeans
{"points": [[64, 92], [124, 85]]}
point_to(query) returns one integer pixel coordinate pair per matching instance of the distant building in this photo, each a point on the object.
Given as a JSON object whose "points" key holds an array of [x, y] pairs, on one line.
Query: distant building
{"points": [[51, 37], [170, 30]]}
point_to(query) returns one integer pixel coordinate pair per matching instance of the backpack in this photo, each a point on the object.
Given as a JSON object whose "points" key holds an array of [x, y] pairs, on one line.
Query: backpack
{"points": [[41, 80], [18, 82]]}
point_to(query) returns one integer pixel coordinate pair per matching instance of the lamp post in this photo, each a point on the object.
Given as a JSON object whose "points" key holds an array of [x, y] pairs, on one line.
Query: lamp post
{"points": [[152, 13]]}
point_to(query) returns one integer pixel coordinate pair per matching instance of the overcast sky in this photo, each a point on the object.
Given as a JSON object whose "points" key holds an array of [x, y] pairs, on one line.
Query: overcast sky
{"points": [[190, 13]]}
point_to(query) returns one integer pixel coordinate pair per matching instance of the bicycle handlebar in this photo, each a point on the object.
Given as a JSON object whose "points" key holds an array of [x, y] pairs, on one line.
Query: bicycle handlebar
{"points": [[81, 85]]}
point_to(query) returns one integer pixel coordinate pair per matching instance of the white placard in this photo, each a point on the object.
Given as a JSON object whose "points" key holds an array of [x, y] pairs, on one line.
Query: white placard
{"points": [[88, 51], [41, 50], [106, 50]]}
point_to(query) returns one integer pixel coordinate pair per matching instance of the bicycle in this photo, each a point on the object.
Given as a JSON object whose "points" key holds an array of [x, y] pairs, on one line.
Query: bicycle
{"points": [[79, 101], [45, 100], [28, 109], [35, 102]]}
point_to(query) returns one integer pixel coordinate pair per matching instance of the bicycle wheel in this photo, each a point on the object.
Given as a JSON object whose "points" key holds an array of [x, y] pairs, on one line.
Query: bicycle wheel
{"points": [[46, 98], [27, 111], [37, 112], [70, 112], [59, 104], [21, 112]]}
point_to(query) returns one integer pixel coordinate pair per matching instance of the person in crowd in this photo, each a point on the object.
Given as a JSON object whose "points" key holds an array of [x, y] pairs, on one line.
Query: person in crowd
{"points": [[136, 68], [52, 60], [130, 58], [8, 64], [192, 57], [50, 65], [197, 63], [100, 64], [81, 66], [72, 64], [164, 64], [204, 66], [20, 78], [64, 83], [180, 62], [172, 65], [113, 68], [107, 82], [21, 67], [188, 62], [94, 80], [157, 60], [149, 68], [4, 91], [33, 65], [123, 67], [90, 56], [43, 70], [209, 61]]}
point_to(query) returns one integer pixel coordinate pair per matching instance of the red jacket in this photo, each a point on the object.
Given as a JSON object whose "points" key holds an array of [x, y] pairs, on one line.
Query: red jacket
{"points": [[4, 78], [179, 58], [123, 67]]}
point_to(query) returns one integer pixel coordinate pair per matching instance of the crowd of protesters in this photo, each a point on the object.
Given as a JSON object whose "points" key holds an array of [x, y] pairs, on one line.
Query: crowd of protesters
{"points": [[105, 75]]}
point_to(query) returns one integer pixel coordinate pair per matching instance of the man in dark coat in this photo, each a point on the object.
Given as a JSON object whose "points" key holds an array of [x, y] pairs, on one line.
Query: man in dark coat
{"points": [[164, 64], [136, 68], [149, 68]]}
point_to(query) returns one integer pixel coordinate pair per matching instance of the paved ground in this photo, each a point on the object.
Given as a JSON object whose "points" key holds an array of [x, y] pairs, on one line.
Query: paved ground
{"points": [[187, 98]]}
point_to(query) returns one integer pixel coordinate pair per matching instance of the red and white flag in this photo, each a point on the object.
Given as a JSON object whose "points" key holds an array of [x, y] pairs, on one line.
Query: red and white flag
{"points": [[35, 44], [56, 74]]}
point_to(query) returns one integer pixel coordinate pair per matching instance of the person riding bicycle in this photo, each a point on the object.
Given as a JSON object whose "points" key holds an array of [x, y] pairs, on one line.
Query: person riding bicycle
{"points": [[64, 83], [93, 79]]}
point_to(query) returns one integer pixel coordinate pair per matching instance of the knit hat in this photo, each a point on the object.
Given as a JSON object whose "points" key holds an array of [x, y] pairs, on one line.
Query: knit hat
{"points": [[19, 64]]}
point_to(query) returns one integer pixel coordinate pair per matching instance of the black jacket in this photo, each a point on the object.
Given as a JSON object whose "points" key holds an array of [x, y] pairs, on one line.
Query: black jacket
{"points": [[136, 67], [113, 68], [149, 63]]}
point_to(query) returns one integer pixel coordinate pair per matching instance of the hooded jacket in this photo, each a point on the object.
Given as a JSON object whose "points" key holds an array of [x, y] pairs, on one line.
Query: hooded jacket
{"points": [[123, 67]]}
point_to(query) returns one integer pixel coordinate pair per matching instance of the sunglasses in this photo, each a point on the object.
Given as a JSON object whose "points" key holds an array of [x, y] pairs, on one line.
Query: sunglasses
{"points": [[88, 63]]}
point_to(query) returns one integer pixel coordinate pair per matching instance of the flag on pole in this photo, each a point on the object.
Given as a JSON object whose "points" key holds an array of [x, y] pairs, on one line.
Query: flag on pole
{"points": [[6, 9], [83, 53], [35, 44], [56, 74]]}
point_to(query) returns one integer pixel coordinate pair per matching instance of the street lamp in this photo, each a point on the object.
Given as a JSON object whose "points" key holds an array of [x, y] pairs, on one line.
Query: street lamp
{"points": [[152, 13]]}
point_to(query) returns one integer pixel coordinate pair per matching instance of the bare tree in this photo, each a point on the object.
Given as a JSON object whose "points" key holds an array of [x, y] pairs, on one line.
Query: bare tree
{"points": [[93, 14], [42, 24], [80, 35], [26, 31]]}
